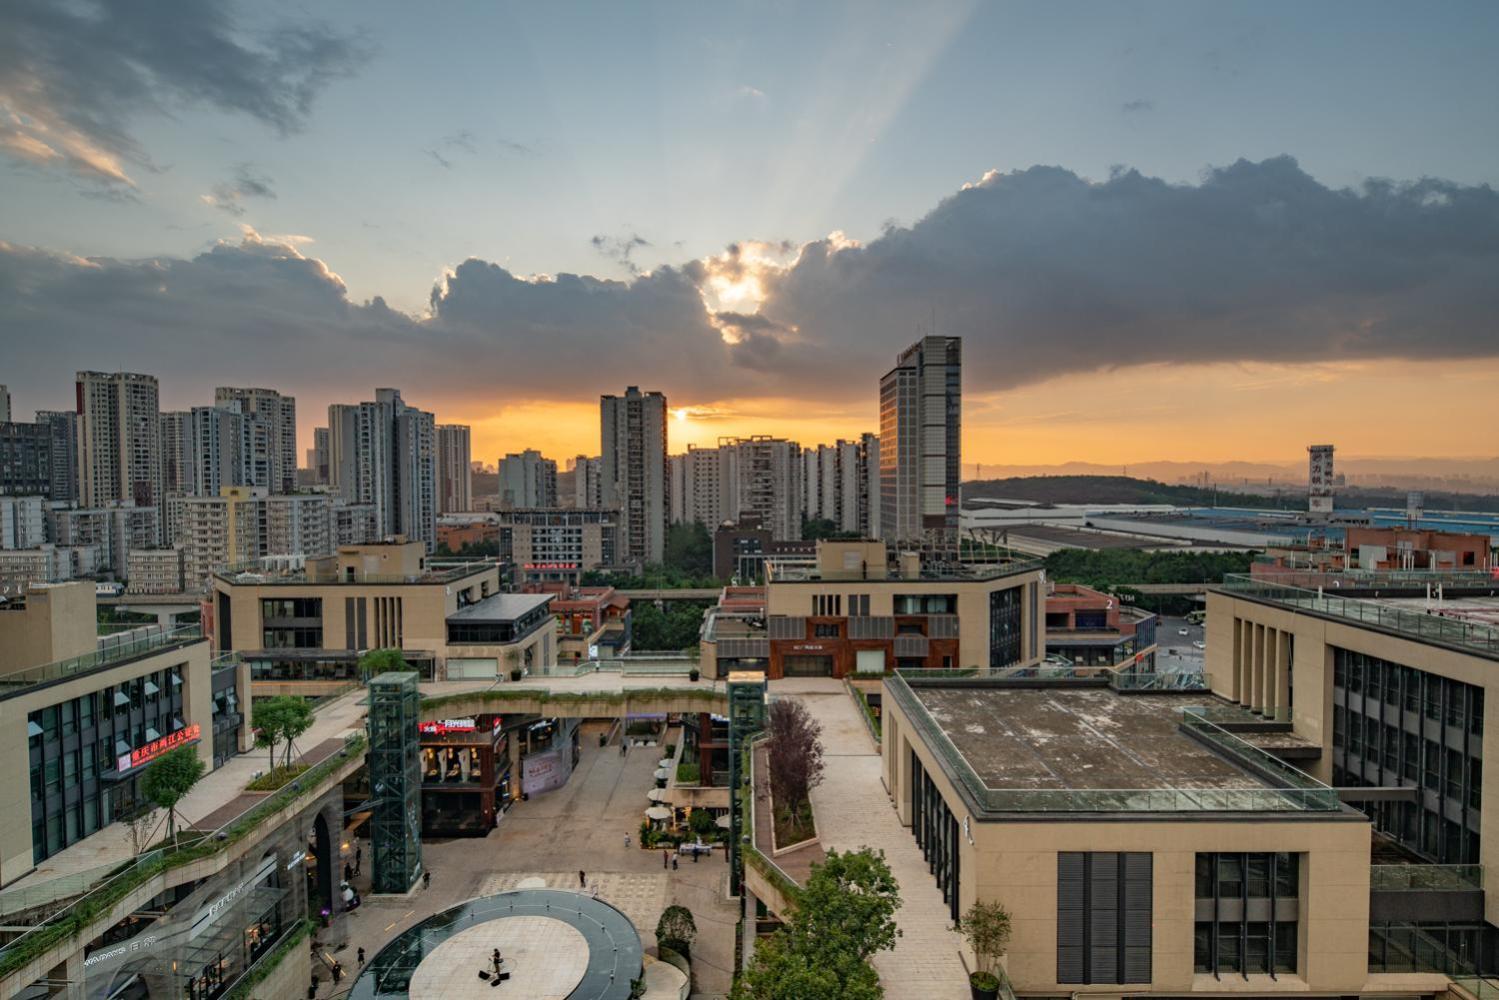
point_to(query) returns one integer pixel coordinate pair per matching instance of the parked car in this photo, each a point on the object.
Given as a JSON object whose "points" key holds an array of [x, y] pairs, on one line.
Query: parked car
{"points": [[1183, 631], [1199, 644]]}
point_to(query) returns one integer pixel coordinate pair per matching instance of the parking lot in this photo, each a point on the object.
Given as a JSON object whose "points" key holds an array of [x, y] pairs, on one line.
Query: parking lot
{"points": [[1177, 652]]}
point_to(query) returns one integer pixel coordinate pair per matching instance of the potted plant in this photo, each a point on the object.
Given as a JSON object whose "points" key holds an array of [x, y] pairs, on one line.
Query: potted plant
{"points": [[986, 928]]}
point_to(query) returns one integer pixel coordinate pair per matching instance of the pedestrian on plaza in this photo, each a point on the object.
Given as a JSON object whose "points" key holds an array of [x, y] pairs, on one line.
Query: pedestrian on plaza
{"points": [[312, 990], [673, 864], [582, 879], [495, 958], [426, 879], [665, 857], [627, 841], [338, 972], [348, 872], [361, 958], [358, 859], [623, 746]]}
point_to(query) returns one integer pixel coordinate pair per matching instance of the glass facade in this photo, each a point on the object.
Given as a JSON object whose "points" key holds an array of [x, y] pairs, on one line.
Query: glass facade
{"points": [[1004, 627], [1247, 911], [936, 831], [1394, 725], [395, 769], [74, 749]]}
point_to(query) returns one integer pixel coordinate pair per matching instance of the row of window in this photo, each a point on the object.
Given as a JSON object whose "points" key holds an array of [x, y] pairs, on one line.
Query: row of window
{"points": [[1438, 698], [1405, 755], [1246, 913]]}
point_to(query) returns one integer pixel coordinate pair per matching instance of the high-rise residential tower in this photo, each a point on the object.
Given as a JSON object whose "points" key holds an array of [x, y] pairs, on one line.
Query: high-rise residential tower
{"points": [[455, 473], [317, 456], [62, 427], [920, 442], [632, 433], [119, 438], [273, 449], [588, 482], [384, 453], [527, 480]]}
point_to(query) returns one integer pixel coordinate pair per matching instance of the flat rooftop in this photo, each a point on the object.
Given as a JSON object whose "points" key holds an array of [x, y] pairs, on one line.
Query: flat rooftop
{"points": [[500, 607], [1066, 738]]}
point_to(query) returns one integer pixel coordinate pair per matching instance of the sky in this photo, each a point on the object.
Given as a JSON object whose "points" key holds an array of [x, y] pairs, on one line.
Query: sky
{"points": [[1164, 230]]}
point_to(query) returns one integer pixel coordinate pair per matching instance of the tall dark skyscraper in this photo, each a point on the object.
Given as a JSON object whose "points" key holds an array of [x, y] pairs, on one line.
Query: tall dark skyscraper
{"points": [[921, 409]]}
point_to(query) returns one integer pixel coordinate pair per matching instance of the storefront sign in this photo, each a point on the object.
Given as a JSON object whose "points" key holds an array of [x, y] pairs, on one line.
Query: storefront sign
{"points": [[296, 859], [144, 942], [551, 565], [150, 751], [440, 726]]}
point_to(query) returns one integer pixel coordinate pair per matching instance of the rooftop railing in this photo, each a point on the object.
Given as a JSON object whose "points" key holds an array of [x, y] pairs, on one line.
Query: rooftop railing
{"points": [[112, 650], [436, 572], [1293, 798], [1248, 755], [1423, 625]]}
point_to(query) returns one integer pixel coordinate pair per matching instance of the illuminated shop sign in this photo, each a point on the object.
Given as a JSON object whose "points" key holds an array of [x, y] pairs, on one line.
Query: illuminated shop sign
{"points": [[150, 751], [551, 565], [440, 726]]}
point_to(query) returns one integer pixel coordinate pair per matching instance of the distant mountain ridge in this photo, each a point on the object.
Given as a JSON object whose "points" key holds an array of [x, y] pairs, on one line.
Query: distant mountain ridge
{"points": [[1457, 475]]}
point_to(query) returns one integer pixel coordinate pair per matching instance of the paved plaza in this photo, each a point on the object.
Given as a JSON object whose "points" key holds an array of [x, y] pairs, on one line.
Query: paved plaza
{"points": [[553, 836], [853, 811], [545, 957]]}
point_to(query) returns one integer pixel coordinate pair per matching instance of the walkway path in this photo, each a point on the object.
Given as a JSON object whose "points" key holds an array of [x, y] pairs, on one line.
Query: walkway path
{"points": [[853, 811], [217, 789]]}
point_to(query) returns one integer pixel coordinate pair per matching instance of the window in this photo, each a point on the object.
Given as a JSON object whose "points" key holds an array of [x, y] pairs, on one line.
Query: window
{"points": [[1103, 917], [1251, 900], [1004, 626]]}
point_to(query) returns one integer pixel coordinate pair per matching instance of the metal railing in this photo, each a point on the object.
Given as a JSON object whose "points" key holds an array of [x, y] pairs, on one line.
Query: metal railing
{"points": [[1419, 877], [1249, 755], [112, 650], [79, 915], [1293, 798], [436, 572], [1368, 611]]}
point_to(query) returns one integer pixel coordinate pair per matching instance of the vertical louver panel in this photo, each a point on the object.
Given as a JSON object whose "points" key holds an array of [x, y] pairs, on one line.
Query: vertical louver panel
{"points": [[1137, 909], [1103, 918], [1071, 917]]}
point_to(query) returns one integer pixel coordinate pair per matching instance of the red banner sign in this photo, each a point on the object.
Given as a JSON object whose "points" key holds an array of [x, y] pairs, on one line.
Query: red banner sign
{"points": [[150, 751]]}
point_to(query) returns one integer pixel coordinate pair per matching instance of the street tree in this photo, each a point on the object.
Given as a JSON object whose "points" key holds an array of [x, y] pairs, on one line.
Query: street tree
{"points": [[676, 929], [795, 750], [379, 661], [282, 719], [170, 777]]}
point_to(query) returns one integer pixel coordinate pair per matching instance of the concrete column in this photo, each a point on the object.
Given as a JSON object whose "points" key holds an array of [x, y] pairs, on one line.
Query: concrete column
{"points": [[1283, 672], [1257, 666], [1272, 665], [1241, 660]]}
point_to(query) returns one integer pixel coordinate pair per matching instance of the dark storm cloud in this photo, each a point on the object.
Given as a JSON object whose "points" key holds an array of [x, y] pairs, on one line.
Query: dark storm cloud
{"points": [[1042, 272], [74, 75], [1045, 273], [247, 182]]}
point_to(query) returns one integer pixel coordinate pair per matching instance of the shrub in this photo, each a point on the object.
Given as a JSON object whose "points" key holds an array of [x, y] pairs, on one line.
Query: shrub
{"points": [[275, 778], [676, 929], [687, 774]]}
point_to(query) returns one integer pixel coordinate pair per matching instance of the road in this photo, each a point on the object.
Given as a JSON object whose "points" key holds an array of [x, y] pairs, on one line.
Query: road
{"points": [[1176, 650]]}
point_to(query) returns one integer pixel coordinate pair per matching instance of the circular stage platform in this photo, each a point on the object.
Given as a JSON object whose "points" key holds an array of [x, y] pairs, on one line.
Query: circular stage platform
{"points": [[556, 945]]}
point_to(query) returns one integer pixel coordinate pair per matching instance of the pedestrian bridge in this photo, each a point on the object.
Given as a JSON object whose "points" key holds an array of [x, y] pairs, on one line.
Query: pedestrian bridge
{"points": [[592, 697]]}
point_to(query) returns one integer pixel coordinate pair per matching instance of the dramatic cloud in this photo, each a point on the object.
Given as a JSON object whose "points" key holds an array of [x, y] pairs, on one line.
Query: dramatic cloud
{"points": [[619, 248], [74, 75], [1043, 273], [229, 195]]}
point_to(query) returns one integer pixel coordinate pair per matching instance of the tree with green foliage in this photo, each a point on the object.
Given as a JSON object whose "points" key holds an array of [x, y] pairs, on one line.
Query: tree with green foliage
{"points": [[676, 930], [814, 528], [986, 927], [169, 778], [379, 661], [689, 549], [674, 629], [843, 915], [281, 720]]}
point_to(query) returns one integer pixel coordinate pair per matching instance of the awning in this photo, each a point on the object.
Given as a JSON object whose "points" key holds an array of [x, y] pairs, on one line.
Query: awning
{"points": [[32, 729], [663, 762], [152, 734], [151, 687], [658, 813], [723, 821], [663, 774], [656, 795], [120, 699]]}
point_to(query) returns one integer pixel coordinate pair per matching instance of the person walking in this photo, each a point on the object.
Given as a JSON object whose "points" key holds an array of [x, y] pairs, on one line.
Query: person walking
{"points": [[361, 958], [627, 841], [348, 872], [673, 864], [426, 879], [358, 859], [582, 879], [665, 858], [495, 958]]}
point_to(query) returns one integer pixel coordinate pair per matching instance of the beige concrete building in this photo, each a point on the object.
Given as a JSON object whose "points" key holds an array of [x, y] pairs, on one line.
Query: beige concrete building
{"points": [[1139, 850], [243, 524], [304, 628], [853, 612], [155, 571], [88, 714], [1391, 680]]}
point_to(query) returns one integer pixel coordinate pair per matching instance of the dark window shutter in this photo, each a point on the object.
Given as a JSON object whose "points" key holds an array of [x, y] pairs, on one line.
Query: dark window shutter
{"points": [[1103, 918], [1070, 917], [1137, 917]]}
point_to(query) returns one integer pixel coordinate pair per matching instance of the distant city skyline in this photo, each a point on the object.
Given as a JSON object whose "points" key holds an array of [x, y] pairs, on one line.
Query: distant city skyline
{"points": [[1164, 231]]}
